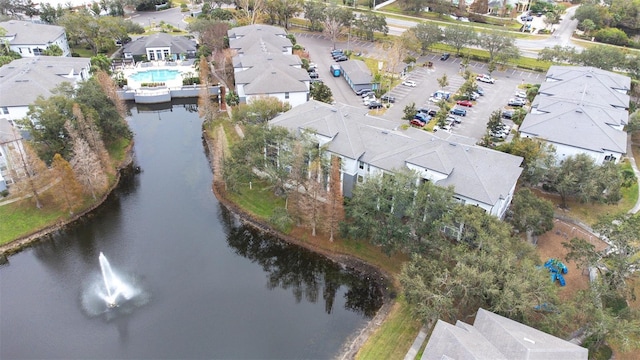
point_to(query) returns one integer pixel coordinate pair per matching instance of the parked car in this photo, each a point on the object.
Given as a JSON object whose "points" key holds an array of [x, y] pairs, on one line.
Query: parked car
{"points": [[480, 91], [516, 102], [418, 123], [430, 112], [388, 98], [313, 66], [446, 128], [342, 58], [526, 18], [367, 93], [375, 105], [445, 56], [441, 94], [458, 111], [359, 92], [466, 103], [337, 51], [521, 94], [422, 117], [314, 75], [409, 83], [485, 78], [454, 119], [508, 114], [368, 101]]}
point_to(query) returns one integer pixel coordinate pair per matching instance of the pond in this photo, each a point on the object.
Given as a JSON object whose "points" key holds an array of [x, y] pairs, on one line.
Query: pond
{"points": [[212, 288]]}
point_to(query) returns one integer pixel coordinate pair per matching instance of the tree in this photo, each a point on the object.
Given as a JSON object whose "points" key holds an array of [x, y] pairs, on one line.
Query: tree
{"points": [[100, 62], [587, 26], [487, 268], [538, 156], [65, 184], [50, 14], [336, 18], [415, 6], [427, 34], [88, 130], [205, 106], [531, 214], [376, 209], [612, 36], [368, 23], [315, 13], [443, 81], [321, 92], [607, 317], [459, 37], [558, 54], [603, 57], [86, 164], [259, 110], [500, 46], [335, 199], [31, 173], [281, 11], [53, 50], [232, 99], [249, 11], [211, 33], [409, 111], [551, 18]]}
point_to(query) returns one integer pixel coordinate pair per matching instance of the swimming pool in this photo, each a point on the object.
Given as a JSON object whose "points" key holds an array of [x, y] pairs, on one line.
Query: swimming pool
{"points": [[155, 75]]}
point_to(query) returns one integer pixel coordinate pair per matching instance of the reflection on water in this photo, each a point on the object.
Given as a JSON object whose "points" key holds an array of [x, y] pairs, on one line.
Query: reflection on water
{"points": [[307, 275]]}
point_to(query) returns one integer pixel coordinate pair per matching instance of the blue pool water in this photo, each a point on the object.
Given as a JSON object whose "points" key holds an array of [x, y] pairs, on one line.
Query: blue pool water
{"points": [[155, 75]]}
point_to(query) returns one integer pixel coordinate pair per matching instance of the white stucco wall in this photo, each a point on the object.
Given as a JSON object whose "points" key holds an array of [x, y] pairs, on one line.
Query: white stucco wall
{"points": [[563, 151], [28, 50]]}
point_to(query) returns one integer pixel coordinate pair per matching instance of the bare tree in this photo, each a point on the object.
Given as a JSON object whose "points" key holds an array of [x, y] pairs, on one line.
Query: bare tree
{"points": [[89, 131], [30, 175], [250, 11], [86, 164], [205, 107], [335, 199], [66, 184]]}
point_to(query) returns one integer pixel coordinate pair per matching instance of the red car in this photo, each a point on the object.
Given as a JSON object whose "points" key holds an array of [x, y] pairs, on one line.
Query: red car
{"points": [[465, 103], [417, 122]]}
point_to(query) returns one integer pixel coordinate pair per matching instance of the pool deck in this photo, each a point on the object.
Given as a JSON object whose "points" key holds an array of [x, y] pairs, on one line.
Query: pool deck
{"points": [[183, 66]]}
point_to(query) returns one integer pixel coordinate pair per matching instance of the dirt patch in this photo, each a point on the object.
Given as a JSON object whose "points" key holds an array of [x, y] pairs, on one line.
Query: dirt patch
{"points": [[550, 246]]}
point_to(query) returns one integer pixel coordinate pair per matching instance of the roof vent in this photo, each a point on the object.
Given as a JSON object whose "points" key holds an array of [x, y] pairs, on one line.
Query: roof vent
{"points": [[453, 144], [333, 110], [273, 72], [346, 115], [579, 111], [529, 340], [589, 75], [386, 133]]}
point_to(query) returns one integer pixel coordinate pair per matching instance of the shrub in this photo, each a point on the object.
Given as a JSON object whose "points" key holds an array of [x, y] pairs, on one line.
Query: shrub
{"points": [[612, 36], [191, 81]]}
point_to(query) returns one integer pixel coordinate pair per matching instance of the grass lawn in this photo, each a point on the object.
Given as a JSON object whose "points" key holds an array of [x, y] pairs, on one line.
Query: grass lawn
{"points": [[393, 339], [22, 218]]}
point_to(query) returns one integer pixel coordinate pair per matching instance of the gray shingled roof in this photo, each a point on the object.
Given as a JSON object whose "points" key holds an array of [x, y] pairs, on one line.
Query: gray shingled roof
{"points": [[248, 61], [518, 341], [586, 127], [475, 172], [256, 28], [272, 77], [496, 337], [608, 79], [257, 42], [458, 342], [357, 71], [23, 80], [178, 44], [28, 33], [585, 88]]}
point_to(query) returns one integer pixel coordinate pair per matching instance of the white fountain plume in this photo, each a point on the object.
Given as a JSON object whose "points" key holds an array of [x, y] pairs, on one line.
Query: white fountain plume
{"points": [[111, 282]]}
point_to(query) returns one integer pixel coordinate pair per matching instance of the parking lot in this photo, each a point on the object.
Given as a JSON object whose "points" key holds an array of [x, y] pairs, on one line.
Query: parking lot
{"points": [[473, 124]]}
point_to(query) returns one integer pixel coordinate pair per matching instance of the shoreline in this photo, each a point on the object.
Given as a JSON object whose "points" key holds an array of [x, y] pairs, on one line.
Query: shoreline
{"points": [[39, 235], [353, 344]]}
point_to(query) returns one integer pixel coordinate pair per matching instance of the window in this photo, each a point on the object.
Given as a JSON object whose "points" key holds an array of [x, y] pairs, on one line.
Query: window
{"points": [[286, 95], [360, 165], [152, 55], [609, 158], [360, 178], [166, 54], [37, 51], [5, 110]]}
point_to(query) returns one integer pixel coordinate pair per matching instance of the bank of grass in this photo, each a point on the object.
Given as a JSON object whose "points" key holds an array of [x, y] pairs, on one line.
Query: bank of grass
{"points": [[22, 218], [394, 337]]}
